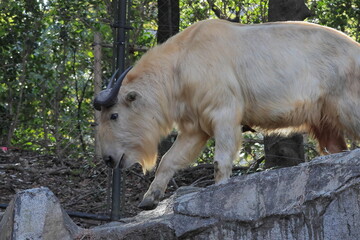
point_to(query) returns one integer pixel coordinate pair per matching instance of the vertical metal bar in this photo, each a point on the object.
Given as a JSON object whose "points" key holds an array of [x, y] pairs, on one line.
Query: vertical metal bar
{"points": [[116, 205], [121, 35], [120, 28]]}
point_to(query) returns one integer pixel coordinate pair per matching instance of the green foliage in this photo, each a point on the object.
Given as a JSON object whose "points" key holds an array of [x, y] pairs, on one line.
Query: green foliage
{"points": [[207, 154], [252, 149], [343, 15], [244, 11], [143, 20], [46, 78]]}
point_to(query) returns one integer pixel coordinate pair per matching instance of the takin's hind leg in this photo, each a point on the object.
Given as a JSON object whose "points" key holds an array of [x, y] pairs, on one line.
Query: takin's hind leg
{"points": [[330, 140]]}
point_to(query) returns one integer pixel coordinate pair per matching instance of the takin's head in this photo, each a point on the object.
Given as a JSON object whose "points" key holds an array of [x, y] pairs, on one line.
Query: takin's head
{"points": [[128, 129]]}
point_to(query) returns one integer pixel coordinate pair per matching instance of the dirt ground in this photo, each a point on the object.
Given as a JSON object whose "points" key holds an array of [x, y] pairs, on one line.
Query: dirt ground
{"points": [[82, 185]]}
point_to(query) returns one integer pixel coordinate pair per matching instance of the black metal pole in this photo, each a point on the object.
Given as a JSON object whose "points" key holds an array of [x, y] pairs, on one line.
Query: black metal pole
{"points": [[117, 193], [121, 35], [119, 60]]}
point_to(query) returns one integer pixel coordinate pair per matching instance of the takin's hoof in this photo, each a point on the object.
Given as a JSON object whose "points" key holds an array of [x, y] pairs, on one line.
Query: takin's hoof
{"points": [[147, 204], [150, 201]]}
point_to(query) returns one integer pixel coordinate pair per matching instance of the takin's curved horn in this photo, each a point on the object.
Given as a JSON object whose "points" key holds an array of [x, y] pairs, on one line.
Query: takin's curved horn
{"points": [[111, 82], [108, 97]]}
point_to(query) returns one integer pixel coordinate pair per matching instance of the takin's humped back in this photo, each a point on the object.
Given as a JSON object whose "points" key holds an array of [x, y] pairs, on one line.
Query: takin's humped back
{"points": [[216, 76]]}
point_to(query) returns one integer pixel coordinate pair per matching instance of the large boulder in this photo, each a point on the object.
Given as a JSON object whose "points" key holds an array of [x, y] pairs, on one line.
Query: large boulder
{"points": [[36, 214], [315, 200]]}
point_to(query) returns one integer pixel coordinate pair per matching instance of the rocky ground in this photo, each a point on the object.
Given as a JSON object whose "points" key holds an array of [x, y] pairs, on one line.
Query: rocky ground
{"points": [[84, 185]]}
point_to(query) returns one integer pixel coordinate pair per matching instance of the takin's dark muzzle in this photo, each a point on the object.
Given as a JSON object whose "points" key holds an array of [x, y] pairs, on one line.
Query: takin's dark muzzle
{"points": [[108, 97], [112, 163]]}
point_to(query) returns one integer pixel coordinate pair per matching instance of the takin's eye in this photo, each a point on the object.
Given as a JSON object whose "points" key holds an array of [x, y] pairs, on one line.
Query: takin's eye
{"points": [[114, 116]]}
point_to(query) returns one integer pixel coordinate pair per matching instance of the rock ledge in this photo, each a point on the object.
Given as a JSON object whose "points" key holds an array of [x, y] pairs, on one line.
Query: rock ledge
{"points": [[315, 200]]}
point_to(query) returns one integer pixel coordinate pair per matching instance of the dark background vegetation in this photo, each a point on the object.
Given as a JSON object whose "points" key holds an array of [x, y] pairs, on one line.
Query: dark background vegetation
{"points": [[47, 86]]}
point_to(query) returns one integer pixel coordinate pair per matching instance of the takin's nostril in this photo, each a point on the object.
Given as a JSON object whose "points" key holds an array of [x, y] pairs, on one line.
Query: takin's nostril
{"points": [[108, 161]]}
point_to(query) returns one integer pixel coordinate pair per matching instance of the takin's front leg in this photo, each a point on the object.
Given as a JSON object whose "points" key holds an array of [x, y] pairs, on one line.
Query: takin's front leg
{"points": [[227, 143], [184, 151]]}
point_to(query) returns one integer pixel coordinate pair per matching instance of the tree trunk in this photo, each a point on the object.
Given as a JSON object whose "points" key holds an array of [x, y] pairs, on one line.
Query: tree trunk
{"points": [[168, 19], [281, 151], [97, 86], [285, 10], [15, 117]]}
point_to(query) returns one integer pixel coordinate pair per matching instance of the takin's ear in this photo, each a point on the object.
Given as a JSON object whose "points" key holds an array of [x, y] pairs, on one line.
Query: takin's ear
{"points": [[131, 96]]}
